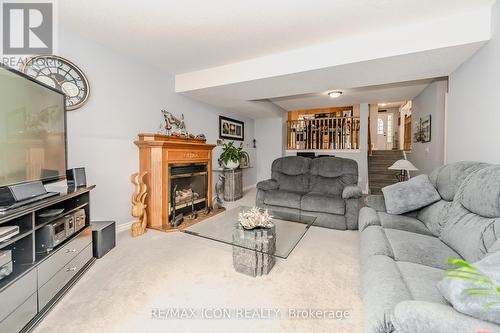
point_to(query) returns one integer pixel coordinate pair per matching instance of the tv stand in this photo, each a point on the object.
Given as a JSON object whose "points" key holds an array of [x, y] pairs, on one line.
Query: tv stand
{"points": [[39, 280], [28, 201]]}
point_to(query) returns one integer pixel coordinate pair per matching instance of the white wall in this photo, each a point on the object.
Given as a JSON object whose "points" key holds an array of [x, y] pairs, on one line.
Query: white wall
{"points": [[474, 103], [126, 99], [271, 140], [431, 101]]}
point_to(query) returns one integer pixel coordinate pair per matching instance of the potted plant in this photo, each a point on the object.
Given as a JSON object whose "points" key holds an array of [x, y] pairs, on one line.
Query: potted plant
{"points": [[231, 155]]}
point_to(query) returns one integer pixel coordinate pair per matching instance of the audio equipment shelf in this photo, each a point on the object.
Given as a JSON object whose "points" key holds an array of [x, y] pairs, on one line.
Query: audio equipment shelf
{"points": [[39, 279]]}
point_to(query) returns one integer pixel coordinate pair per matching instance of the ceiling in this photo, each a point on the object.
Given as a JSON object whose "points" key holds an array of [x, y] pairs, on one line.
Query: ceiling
{"points": [[188, 35], [373, 94]]}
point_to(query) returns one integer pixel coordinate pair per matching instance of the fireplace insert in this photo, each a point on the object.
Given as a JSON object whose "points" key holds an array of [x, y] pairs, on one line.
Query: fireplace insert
{"points": [[188, 188]]}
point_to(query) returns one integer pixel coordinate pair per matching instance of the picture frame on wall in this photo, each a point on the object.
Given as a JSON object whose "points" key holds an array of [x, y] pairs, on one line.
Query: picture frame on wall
{"points": [[231, 129], [425, 129]]}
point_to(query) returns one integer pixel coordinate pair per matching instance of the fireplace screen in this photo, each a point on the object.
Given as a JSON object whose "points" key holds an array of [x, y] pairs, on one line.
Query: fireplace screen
{"points": [[188, 187]]}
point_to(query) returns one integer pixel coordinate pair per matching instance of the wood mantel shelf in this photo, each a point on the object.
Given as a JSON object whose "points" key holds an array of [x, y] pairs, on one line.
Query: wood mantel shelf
{"points": [[156, 153]]}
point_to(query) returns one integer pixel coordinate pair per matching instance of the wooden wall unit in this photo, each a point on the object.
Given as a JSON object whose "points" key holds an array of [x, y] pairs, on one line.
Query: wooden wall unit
{"points": [[156, 153], [294, 115]]}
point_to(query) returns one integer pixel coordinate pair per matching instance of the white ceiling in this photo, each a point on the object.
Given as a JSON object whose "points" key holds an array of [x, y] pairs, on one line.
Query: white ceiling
{"points": [[182, 36], [373, 94]]}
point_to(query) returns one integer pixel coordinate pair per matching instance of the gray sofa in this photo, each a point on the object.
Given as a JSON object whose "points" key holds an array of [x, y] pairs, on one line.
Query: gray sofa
{"points": [[403, 257], [324, 187]]}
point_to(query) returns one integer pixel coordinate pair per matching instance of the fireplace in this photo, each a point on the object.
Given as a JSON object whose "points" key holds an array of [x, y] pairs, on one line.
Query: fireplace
{"points": [[179, 176], [188, 188]]}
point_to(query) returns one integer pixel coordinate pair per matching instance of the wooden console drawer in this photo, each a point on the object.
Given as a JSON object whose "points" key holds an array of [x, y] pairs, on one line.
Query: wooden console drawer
{"points": [[192, 155], [21, 316], [17, 294], [64, 255], [62, 277]]}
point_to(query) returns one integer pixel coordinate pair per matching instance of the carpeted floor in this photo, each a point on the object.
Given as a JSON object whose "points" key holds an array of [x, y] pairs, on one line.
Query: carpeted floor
{"points": [[163, 271]]}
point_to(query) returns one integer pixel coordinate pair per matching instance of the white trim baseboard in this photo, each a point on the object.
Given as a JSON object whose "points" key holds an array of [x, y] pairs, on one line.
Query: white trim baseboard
{"points": [[246, 188], [124, 226]]}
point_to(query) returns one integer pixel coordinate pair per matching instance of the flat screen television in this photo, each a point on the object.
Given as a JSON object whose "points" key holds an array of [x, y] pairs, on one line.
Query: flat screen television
{"points": [[32, 130]]}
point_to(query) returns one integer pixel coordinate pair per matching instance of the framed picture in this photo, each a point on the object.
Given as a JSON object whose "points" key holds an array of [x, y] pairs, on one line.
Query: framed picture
{"points": [[425, 129], [231, 129], [416, 131], [347, 113]]}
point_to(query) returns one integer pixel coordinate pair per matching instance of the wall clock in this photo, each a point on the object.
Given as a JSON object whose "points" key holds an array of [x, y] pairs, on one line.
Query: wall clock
{"points": [[61, 74]]}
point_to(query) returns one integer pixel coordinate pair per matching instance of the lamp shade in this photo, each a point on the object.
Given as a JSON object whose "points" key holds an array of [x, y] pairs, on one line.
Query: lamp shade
{"points": [[403, 165]]}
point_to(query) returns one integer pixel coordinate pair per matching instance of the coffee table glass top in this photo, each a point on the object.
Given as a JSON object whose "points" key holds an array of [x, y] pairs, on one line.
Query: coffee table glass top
{"points": [[289, 230]]}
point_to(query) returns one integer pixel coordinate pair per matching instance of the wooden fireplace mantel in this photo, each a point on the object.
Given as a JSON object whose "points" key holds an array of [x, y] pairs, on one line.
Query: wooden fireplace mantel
{"points": [[156, 153]]}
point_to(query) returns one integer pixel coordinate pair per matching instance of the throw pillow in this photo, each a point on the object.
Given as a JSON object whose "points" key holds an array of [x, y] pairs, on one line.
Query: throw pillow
{"points": [[407, 196], [473, 302]]}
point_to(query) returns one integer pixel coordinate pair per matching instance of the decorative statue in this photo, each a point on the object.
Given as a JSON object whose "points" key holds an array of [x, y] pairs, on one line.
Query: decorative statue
{"points": [[255, 218], [138, 204], [170, 120], [217, 203]]}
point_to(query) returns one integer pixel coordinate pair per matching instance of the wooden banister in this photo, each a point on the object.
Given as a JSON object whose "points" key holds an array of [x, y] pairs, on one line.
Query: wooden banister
{"points": [[336, 133]]}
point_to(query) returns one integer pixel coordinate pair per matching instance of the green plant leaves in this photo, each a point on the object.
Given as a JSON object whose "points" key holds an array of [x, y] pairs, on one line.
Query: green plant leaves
{"points": [[488, 289], [231, 153]]}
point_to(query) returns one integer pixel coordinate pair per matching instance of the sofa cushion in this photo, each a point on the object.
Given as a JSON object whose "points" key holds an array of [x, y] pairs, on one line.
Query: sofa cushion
{"points": [[407, 196], [448, 178], [455, 290], [469, 234], [471, 230], [373, 241], [292, 173], [481, 192], [382, 289], [420, 249], [331, 174], [283, 198], [422, 281], [402, 222], [435, 216], [321, 202]]}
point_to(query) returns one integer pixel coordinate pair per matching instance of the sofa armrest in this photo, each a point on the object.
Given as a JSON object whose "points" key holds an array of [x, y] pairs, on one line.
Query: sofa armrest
{"points": [[269, 184], [420, 316], [352, 192], [368, 217], [376, 201]]}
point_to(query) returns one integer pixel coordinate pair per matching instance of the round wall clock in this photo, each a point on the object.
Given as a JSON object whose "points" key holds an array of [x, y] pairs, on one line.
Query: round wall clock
{"points": [[61, 74]]}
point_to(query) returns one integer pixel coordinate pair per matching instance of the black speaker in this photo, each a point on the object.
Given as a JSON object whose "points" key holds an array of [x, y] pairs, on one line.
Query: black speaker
{"points": [[103, 237], [20, 192], [76, 177]]}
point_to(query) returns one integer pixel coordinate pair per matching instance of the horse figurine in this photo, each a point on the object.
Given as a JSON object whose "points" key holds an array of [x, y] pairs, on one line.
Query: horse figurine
{"points": [[170, 120]]}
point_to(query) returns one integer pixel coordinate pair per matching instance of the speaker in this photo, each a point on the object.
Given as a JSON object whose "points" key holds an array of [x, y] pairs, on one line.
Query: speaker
{"points": [[76, 177], [103, 237], [20, 192]]}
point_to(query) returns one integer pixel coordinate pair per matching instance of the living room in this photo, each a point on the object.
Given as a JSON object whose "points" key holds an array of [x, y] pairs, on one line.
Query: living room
{"points": [[240, 166]]}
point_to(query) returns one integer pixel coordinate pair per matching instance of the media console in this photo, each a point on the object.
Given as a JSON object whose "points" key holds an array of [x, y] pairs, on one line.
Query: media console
{"points": [[39, 279]]}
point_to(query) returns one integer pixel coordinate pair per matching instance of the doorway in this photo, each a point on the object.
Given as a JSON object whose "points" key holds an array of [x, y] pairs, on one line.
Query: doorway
{"points": [[384, 131]]}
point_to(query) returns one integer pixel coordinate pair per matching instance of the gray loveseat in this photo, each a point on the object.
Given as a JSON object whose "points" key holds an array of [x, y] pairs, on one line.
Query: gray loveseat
{"points": [[324, 187], [403, 257]]}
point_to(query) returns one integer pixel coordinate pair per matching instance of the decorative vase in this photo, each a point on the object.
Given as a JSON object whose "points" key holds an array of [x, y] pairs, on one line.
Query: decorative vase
{"points": [[231, 165]]}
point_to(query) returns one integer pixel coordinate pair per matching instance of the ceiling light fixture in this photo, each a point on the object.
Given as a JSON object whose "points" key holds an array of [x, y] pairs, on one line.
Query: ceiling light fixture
{"points": [[335, 94], [383, 104]]}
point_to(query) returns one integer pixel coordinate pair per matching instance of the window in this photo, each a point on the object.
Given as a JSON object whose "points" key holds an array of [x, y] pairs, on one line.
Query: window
{"points": [[389, 128], [380, 126]]}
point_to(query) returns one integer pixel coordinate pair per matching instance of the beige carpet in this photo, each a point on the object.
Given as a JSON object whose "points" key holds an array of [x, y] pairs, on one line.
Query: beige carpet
{"points": [[175, 270]]}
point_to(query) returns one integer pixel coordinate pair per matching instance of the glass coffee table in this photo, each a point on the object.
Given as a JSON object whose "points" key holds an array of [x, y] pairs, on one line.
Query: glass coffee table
{"points": [[254, 251]]}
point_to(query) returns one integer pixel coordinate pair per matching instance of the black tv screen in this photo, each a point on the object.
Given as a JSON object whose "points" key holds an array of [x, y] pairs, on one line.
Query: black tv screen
{"points": [[32, 130]]}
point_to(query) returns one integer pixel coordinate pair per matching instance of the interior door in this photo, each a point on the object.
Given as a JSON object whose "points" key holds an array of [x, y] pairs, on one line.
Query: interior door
{"points": [[385, 131]]}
